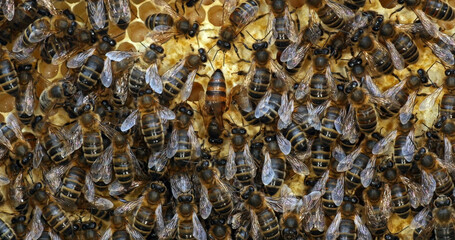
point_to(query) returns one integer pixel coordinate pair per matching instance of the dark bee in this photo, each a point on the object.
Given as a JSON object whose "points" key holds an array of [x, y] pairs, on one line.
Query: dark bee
{"points": [[73, 182], [377, 55], [122, 160], [320, 156], [240, 163], [97, 15], [267, 221], [401, 42], [55, 94], [404, 148], [25, 102], [328, 205], [6, 232], [120, 13], [57, 219], [184, 138], [181, 77], [447, 104], [161, 24], [378, 207], [36, 32], [215, 191], [442, 214], [219, 229], [284, 31], [329, 133], [365, 113], [275, 163], [438, 9], [297, 136], [92, 141], [332, 16], [9, 81]]}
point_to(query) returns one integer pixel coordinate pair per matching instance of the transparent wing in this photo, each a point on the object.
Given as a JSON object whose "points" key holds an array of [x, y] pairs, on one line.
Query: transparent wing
{"points": [[442, 53], [320, 184], [386, 201], [447, 150], [168, 9], [289, 52], [159, 226], [103, 203], [230, 164], [161, 34], [297, 166], [393, 91], [285, 112], [8, 9], [427, 23], [346, 164], [430, 100], [29, 99], [428, 187], [267, 171], [372, 88], [249, 159], [135, 235], [107, 234], [119, 56], [37, 225], [4, 180], [79, 59], [188, 87], [89, 188], [409, 147], [384, 144], [255, 227], [130, 121], [13, 123], [198, 230], [228, 8], [420, 219], [408, 107], [291, 30], [97, 11], [165, 113], [194, 141], [338, 153], [449, 40], [172, 148], [180, 183], [49, 6], [332, 231], [303, 88], [397, 59], [101, 168], [338, 191], [413, 190], [53, 177], [263, 104], [366, 176], [205, 206], [5, 141], [363, 231], [157, 161], [284, 144], [152, 77], [339, 121], [340, 10], [170, 228], [106, 74], [299, 55]]}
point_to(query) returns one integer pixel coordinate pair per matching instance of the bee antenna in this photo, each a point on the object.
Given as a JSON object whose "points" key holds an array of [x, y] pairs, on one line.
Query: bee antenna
{"points": [[143, 45], [224, 58], [215, 54], [252, 36]]}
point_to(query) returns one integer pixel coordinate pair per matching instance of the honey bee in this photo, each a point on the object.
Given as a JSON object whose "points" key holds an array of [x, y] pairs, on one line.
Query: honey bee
{"points": [[35, 33], [25, 101], [347, 223], [438, 9], [378, 209], [55, 94], [9, 80], [179, 79], [330, 124], [93, 67], [290, 223], [264, 220], [402, 48], [71, 188], [216, 102], [404, 148], [20, 150], [219, 230], [239, 17], [185, 223], [146, 209], [120, 13], [296, 136], [435, 175], [312, 209], [295, 53], [332, 14], [403, 192], [161, 24], [307, 117], [282, 25], [214, 193], [320, 156], [97, 15], [120, 229], [365, 114], [240, 163], [377, 55], [6, 231]]}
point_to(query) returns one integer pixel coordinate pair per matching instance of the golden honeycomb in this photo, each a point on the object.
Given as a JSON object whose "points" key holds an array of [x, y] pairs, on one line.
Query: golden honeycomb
{"points": [[209, 15]]}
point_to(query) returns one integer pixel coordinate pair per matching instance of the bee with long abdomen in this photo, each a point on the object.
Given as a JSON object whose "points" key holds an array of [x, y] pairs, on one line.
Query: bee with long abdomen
{"points": [[332, 117], [365, 114], [282, 25], [36, 32], [9, 81], [216, 102], [180, 78], [97, 15], [161, 24], [438, 9], [73, 181], [215, 195], [320, 156], [378, 207]]}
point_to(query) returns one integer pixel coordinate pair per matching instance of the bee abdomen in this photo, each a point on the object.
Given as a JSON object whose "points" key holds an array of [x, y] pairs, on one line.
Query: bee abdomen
{"points": [[352, 177], [320, 156], [400, 200], [159, 20], [447, 105], [330, 18], [72, 184], [259, 84], [6, 232], [347, 229], [90, 73], [144, 221], [57, 220], [122, 168], [279, 169], [152, 130], [296, 136], [319, 89], [328, 205], [406, 47], [328, 132], [175, 83], [271, 112], [398, 155], [9, 82], [439, 9], [92, 146], [366, 118]]}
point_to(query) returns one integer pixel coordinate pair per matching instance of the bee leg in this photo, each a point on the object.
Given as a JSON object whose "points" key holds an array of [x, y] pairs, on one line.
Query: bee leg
{"points": [[396, 11], [394, 75], [246, 46], [237, 51]]}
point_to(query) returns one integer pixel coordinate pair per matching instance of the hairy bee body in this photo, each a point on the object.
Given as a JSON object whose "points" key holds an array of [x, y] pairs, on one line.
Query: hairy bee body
{"points": [[366, 118], [271, 109], [122, 162], [144, 219], [400, 200], [352, 177], [402, 164], [244, 172], [53, 46], [6, 232], [182, 157], [241, 14], [279, 169], [36, 29], [259, 83]]}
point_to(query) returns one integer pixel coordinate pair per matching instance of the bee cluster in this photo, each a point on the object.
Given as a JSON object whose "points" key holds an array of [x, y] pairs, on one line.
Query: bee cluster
{"points": [[240, 119]]}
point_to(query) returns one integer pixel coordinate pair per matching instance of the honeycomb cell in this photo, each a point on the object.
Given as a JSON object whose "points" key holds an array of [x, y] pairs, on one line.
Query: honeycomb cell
{"points": [[207, 2], [137, 31], [126, 46], [296, 3], [116, 33], [48, 71], [7, 102], [80, 11], [216, 15], [194, 15]]}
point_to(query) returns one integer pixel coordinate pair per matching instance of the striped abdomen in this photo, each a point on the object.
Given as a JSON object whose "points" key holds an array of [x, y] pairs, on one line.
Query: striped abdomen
{"points": [[447, 105], [444, 183], [319, 89], [406, 47], [92, 145], [123, 168], [402, 164], [268, 224], [259, 84], [352, 177], [144, 220], [328, 132], [330, 18], [215, 96], [271, 109], [320, 156], [244, 171], [152, 130], [9, 82], [55, 148], [185, 229], [90, 73], [174, 84], [439, 9], [244, 13], [279, 169], [72, 184], [182, 157], [296, 136], [136, 80], [400, 200], [6, 232], [366, 118], [159, 21], [328, 206], [221, 201], [347, 230], [282, 41], [54, 45], [57, 220]]}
